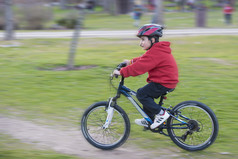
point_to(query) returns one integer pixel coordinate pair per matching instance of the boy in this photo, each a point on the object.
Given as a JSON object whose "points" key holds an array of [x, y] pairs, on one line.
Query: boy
{"points": [[228, 10], [161, 67]]}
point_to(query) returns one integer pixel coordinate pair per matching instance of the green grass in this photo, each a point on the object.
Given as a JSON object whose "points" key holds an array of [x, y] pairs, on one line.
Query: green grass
{"points": [[29, 89], [173, 20]]}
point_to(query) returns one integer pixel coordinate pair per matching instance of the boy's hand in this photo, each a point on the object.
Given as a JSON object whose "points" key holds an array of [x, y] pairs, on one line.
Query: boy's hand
{"points": [[127, 62], [116, 73]]}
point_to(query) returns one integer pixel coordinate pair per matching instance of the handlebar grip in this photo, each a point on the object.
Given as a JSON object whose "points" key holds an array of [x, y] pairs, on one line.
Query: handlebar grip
{"points": [[123, 64]]}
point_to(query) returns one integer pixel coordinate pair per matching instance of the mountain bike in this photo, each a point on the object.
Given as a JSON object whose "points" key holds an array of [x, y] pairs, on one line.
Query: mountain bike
{"points": [[192, 125]]}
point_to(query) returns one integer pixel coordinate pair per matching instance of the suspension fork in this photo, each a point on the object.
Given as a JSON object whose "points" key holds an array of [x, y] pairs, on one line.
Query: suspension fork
{"points": [[111, 104], [110, 111]]}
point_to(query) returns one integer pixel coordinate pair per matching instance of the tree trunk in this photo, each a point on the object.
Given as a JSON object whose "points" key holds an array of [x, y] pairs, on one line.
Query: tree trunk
{"points": [[74, 42], [233, 3], [9, 30], [110, 6], [115, 7], [63, 4], [158, 17], [124, 6], [106, 5]]}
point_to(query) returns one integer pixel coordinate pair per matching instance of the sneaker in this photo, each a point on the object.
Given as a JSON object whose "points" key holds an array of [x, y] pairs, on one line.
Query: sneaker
{"points": [[141, 122], [159, 119]]}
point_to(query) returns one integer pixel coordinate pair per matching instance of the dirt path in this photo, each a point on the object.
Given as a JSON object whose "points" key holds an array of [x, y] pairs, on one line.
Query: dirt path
{"points": [[70, 141]]}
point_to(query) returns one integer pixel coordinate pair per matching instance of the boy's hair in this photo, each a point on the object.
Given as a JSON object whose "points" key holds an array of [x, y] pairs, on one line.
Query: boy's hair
{"points": [[156, 38]]}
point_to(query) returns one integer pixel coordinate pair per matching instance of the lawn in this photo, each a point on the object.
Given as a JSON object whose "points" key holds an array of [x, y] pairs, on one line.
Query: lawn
{"points": [[30, 88], [173, 20]]}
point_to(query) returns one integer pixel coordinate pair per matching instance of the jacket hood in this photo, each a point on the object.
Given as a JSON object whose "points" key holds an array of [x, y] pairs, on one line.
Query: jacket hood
{"points": [[163, 46]]}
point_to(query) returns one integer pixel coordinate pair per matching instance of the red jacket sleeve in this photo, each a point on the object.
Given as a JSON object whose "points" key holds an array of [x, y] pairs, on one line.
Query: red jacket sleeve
{"points": [[139, 66], [135, 59]]}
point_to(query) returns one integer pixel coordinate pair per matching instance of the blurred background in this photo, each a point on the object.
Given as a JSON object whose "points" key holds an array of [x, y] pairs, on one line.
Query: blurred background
{"points": [[47, 83], [113, 14]]}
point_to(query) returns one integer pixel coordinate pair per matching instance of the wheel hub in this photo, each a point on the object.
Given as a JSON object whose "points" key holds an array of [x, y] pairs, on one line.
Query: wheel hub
{"points": [[193, 125]]}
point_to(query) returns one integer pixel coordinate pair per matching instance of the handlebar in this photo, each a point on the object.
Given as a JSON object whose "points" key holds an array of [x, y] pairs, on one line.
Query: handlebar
{"points": [[123, 64]]}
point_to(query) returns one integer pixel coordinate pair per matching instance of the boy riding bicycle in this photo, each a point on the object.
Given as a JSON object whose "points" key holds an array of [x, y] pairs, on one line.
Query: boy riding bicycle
{"points": [[162, 69]]}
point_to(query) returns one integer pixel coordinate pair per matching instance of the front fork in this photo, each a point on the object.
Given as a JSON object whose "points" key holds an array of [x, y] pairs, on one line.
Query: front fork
{"points": [[110, 111]]}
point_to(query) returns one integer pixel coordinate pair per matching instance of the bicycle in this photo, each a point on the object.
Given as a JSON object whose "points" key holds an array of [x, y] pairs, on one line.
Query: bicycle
{"points": [[192, 125]]}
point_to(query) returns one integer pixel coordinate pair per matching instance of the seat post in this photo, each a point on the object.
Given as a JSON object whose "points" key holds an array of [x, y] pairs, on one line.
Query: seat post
{"points": [[163, 96], [161, 100]]}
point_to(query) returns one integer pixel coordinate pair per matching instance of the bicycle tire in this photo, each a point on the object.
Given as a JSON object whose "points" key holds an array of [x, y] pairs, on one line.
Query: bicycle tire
{"points": [[205, 126], [112, 137]]}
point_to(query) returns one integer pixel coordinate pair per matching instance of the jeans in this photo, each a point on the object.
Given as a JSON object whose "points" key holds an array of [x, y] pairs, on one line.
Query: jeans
{"points": [[146, 96], [228, 18]]}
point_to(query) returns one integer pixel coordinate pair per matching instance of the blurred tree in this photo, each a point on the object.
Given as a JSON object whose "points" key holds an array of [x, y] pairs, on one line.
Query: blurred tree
{"points": [[158, 16], [200, 13], [63, 4], [110, 6], [34, 15], [232, 2], [74, 42], [9, 30], [220, 3], [124, 6], [106, 5], [116, 7]]}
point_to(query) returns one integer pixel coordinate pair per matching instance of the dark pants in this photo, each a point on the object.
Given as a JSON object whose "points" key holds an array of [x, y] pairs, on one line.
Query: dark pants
{"points": [[228, 18], [146, 96]]}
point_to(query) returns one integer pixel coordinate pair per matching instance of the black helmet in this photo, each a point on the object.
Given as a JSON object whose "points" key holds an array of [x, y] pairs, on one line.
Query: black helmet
{"points": [[151, 30]]}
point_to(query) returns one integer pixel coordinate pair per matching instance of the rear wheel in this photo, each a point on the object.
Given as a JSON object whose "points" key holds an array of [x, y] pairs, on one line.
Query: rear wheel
{"points": [[92, 126], [201, 130]]}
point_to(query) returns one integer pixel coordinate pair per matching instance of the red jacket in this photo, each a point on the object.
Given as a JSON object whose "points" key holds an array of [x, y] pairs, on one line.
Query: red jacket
{"points": [[158, 62], [228, 10]]}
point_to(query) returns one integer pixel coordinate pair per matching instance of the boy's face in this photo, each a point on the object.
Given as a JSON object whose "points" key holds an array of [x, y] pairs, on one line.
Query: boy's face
{"points": [[145, 43]]}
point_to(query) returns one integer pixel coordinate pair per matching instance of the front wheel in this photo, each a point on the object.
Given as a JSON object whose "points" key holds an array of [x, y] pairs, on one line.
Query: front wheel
{"points": [[94, 130], [201, 129]]}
